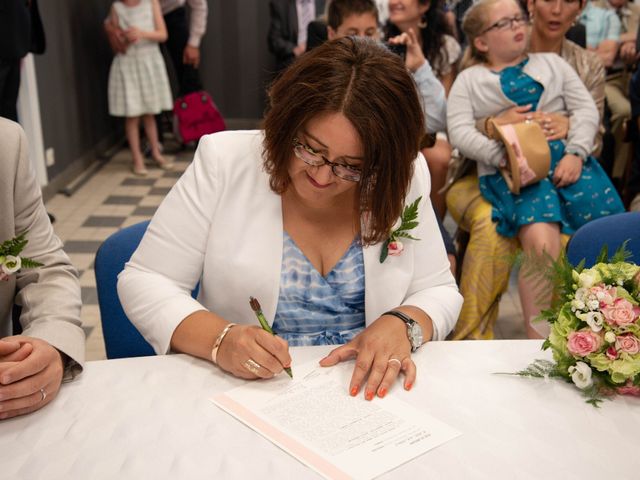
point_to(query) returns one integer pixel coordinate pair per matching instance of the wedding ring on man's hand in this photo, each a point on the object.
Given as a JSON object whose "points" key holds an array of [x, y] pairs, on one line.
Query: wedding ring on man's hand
{"points": [[44, 395], [252, 366], [395, 360]]}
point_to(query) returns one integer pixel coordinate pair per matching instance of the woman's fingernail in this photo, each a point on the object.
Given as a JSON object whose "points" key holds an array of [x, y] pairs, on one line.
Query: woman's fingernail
{"points": [[369, 395], [408, 386], [354, 391], [382, 392]]}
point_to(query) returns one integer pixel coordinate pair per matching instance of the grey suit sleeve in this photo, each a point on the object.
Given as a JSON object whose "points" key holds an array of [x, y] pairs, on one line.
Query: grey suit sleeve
{"points": [[49, 295], [434, 103]]}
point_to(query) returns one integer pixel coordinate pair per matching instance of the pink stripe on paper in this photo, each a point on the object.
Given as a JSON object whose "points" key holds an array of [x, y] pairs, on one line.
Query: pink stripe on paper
{"points": [[296, 448]]}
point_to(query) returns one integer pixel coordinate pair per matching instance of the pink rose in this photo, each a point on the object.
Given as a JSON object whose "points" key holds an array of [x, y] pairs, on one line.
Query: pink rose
{"points": [[620, 312], [629, 389], [605, 295], [628, 343], [612, 353], [583, 342], [395, 248]]}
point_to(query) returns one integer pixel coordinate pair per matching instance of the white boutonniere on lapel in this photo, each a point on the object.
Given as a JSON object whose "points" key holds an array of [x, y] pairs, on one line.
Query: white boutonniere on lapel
{"points": [[408, 221], [10, 259]]}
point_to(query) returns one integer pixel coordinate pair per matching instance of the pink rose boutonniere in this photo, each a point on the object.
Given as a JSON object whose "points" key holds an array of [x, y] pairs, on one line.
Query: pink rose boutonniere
{"points": [[408, 221], [10, 259]]}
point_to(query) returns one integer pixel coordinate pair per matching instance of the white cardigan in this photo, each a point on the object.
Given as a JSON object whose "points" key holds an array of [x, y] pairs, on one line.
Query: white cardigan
{"points": [[221, 225], [476, 93]]}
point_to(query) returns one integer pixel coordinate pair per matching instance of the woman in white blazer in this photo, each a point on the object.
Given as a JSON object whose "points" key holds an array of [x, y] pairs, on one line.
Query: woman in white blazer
{"points": [[298, 216]]}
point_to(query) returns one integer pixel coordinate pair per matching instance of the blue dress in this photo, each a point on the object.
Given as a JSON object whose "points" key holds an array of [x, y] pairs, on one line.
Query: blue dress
{"points": [[317, 310], [592, 196]]}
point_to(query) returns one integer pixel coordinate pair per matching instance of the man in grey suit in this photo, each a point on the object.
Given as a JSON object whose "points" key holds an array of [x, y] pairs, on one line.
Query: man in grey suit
{"points": [[50, 347]]}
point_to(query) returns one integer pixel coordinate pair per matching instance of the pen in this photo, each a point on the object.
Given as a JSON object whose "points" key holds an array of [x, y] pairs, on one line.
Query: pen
{"points": [[255, 306]]}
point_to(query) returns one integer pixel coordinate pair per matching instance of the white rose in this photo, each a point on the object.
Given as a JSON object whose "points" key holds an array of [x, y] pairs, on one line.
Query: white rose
{"points": [[588, 278], [577, 304], [593, 304], [11, 264], [593, 319], [581, 375], [609, 337], [581, 294]]}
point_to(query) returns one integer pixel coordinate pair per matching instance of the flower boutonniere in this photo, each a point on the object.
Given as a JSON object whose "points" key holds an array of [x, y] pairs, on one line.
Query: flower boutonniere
{"points": [[392, 246], [10, 259]]}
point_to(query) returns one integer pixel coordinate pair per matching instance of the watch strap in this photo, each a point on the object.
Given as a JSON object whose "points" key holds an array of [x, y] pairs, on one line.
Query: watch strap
{"points": [[409, 322]]}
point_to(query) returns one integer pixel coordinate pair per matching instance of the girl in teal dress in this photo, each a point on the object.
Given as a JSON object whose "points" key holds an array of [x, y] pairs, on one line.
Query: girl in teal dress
{"points": [[576, 189]]}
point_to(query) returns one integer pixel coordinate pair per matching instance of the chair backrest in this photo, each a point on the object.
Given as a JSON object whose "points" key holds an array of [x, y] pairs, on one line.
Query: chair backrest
{"points": [[611, 231], [121, 338]]}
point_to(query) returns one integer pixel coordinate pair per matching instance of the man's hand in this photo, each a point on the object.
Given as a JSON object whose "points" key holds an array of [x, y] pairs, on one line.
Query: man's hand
{"points": [[30, 375], [299, 49], [116, 37], [191, 56]]}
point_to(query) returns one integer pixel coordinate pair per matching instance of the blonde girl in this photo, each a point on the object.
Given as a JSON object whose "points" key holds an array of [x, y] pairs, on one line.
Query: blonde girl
{"points": [[501, 75]]}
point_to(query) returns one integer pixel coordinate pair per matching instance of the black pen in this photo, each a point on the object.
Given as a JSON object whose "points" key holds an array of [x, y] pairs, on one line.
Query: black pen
{"points": [[255, 306]]}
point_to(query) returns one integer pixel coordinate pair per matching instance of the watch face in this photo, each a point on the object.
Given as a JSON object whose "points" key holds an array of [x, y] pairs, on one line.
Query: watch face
{"points": [[415, 335]]}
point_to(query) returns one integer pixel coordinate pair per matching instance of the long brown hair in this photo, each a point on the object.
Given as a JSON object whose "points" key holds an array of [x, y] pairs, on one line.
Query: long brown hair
{"points": [[371, 87]]}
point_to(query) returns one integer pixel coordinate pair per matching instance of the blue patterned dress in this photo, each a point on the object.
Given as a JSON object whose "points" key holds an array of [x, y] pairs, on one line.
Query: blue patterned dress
{"points": [[592, 196], [317, 310]]}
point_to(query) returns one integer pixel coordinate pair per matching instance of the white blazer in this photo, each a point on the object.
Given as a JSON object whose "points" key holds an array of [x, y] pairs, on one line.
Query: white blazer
{"points": [[221, 225]]}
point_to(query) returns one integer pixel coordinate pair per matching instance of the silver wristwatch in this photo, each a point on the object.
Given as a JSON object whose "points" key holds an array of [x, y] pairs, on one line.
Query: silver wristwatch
{"points": [[414, 330]]}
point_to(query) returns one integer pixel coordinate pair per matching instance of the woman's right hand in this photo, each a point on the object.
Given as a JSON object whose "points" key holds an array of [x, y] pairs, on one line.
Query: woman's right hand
{"points": [[245, 346]]}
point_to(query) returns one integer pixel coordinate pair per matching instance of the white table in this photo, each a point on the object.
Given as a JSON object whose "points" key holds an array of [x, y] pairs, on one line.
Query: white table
{"points": [[151, 418]]}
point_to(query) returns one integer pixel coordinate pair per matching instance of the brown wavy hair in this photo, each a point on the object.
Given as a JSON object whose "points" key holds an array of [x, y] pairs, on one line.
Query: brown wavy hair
{"points": [[371, 87]]}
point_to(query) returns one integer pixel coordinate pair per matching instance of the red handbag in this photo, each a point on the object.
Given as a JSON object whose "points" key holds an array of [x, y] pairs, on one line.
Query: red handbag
{"points": [[196, 115]]}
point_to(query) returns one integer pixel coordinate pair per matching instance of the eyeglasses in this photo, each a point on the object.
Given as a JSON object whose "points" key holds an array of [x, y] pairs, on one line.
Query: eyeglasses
{"points": [[505, 23], [309, 156]]}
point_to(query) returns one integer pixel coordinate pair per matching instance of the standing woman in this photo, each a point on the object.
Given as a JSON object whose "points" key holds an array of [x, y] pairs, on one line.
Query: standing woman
{"points": [[484, 276], [299, 216]]}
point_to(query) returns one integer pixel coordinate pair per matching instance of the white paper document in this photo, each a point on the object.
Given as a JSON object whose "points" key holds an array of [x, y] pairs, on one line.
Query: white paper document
{"points": [[313, 418]]}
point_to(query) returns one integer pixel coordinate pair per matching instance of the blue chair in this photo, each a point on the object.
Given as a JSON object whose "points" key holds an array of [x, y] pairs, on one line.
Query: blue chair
{"points": [[121, 338], [612, 231]]}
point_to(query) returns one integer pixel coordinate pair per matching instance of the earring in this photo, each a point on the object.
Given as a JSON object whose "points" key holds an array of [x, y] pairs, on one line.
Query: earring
{"points": [[531, 16], [422, 24]]}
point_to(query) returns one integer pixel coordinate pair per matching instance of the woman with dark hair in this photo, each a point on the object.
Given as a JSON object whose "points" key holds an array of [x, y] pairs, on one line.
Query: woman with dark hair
{"points": [[424, 22], [427, 17], [301, 215]]}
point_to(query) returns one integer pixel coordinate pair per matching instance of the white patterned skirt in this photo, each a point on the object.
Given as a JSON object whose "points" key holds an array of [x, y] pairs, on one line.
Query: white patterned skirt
{"points": [[138, 82]]}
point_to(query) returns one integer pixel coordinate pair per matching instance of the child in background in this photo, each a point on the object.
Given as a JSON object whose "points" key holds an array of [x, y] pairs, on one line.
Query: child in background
{"points": [[138, 81], [502, 75]]}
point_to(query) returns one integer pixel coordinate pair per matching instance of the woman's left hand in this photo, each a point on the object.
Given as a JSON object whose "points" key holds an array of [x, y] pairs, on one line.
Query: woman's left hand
{"points": [[554, 125], [382, 351], [568, 171]]}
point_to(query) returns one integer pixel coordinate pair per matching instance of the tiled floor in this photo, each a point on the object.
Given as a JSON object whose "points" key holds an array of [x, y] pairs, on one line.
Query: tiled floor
{"points": [[114, 198]]}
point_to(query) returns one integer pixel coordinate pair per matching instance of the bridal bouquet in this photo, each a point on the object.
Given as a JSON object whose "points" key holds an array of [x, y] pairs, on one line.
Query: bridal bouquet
{"points": [[595, 327], [10, 259]]}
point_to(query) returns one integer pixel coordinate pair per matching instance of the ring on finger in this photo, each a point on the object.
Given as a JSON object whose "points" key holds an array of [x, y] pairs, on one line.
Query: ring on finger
{"points": [[44, 395], [252, 366], [395, 360]]}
